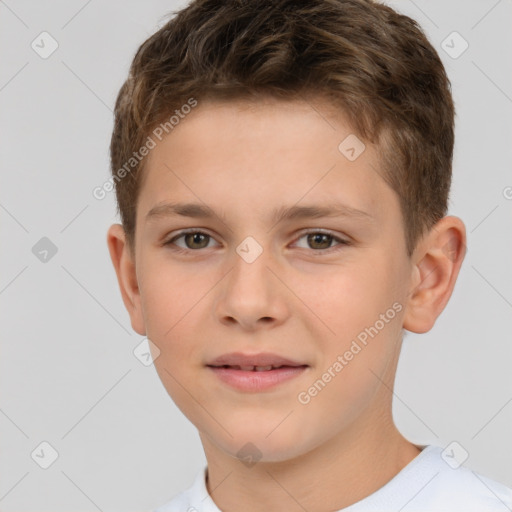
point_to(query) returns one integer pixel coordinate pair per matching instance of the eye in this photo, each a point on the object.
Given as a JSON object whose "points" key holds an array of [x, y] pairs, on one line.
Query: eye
{"points": [[320, 241], [193, 240]]}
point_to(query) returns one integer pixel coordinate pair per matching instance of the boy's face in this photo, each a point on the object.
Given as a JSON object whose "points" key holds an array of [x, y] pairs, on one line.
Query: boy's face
{"points": [[305, 298]]}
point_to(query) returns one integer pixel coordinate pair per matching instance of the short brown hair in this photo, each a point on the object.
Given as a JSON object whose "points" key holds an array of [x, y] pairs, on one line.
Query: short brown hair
{"points": [[373, 63]]}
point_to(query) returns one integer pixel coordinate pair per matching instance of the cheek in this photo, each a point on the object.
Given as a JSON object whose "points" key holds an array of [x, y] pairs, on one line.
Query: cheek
{"points": [[172, 326], [349, 298], [170, 305], [371, 286], [364, 316], [370, 327], [168, 296]]}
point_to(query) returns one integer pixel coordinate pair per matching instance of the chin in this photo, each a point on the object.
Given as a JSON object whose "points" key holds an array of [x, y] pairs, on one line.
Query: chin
{"points": [[257, 445]]}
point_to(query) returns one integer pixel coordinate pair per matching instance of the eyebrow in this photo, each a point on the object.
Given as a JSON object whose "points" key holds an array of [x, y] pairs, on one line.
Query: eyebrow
{"points": [[201, 211]]}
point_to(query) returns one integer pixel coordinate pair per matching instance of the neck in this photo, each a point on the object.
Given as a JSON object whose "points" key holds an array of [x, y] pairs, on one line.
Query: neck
{"points": [[333, 476]]}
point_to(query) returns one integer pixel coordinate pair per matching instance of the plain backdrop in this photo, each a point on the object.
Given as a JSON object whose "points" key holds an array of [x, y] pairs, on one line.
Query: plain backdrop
{"points": [[68, 373]]}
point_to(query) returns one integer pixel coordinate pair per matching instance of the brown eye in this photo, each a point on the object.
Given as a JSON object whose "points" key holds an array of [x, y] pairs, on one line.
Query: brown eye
{"points": [[321, 243], [194, 240], [319, 240], [201, 239]]}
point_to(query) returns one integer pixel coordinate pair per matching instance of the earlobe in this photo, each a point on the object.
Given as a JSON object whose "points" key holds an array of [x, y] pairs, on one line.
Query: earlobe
{"points": [[125, 269], [438, 257]]}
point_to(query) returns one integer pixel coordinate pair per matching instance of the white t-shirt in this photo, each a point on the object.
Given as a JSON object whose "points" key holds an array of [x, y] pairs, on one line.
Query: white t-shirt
{"points": [[426, 484]]}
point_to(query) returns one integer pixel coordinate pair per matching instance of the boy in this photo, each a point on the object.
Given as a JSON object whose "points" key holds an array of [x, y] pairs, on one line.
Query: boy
{"points": [[257, 130]]}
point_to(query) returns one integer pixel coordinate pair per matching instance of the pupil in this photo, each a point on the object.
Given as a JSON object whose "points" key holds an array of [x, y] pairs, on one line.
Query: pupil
{"points": [[194, 238], [317, 238]]}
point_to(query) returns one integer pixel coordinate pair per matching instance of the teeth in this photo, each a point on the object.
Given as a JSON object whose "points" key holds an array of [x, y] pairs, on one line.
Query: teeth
{"points": [[263, 368], [251, 368], [255, 368]]}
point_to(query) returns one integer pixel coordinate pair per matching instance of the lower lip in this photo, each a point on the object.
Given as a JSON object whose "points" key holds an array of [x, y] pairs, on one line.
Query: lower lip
{"points": [[257, 381]]}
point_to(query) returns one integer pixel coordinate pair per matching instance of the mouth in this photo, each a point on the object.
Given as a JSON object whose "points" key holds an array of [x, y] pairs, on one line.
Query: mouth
{"points": [[263, 361], [257, 377], [253, 368]]}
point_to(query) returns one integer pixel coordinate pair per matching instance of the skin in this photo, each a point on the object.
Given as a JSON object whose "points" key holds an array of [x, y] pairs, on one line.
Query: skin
{"points": [[244, 160]]}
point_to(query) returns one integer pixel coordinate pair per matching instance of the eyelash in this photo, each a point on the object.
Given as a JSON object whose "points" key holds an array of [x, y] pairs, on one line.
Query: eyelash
{"points": [[317, 252]]}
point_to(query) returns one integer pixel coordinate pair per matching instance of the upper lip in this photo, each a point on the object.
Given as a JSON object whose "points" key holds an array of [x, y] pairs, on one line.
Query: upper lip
{"points": [[261, 359]]}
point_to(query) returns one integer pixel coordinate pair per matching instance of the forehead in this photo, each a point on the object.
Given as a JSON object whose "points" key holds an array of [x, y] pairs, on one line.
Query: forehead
{"points": [[262, 155]]}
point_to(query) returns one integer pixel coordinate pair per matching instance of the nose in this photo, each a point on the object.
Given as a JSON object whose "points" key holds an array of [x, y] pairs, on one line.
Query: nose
{"points": [[251, 296]]}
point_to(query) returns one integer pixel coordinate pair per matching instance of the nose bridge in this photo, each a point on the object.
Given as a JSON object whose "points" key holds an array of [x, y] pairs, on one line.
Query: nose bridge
{"points": [[250, 272], [251, 292]]}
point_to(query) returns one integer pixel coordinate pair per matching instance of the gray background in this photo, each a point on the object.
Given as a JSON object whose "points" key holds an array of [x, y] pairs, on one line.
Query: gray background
{"points": [[67, 369]]}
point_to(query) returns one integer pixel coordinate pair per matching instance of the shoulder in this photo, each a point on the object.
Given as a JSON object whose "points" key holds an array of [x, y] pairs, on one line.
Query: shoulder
{"points": [[462, 489], [432, 482]]}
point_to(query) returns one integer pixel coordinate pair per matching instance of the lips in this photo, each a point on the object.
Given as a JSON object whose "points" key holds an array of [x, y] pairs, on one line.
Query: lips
{"points": [[263, 361], [255, 373], [252, 368]]}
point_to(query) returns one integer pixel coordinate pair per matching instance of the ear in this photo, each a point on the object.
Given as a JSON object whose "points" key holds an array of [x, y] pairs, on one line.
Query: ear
{"points": [[124, 265], [438, 258]]}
